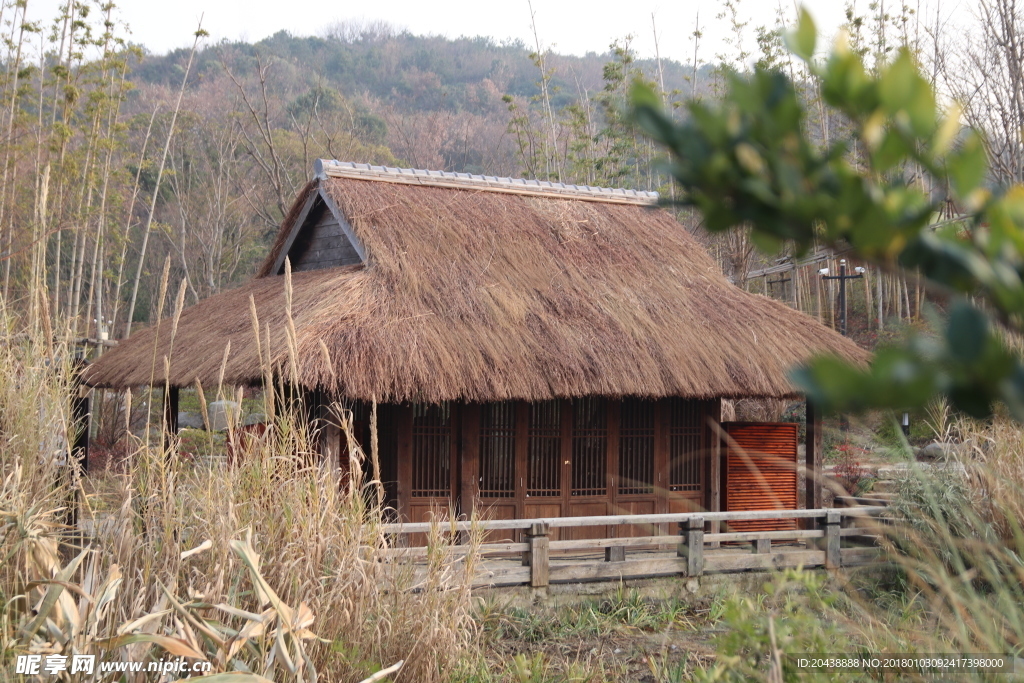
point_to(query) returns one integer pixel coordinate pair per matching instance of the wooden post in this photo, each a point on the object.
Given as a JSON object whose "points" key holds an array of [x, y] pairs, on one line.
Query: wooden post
{"points": [[833, 558], [714, 465], [470, 453], [455, 444], [522, 444], [661, 466], [80, 426], [814, 445], [692, 546], [566, 417], [404, 419], [536, 558], [611, 472], [615, 553], [82, 422], [763, 546]]}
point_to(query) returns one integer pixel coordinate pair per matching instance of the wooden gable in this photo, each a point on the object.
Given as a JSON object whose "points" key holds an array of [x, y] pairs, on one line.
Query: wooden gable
{"points": [[321, 238]]}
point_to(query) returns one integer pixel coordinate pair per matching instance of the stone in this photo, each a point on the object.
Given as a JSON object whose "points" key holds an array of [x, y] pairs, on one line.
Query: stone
{"points": [[937, 451], [693, 585], [222, 414], [190, 421], [255, 419]]}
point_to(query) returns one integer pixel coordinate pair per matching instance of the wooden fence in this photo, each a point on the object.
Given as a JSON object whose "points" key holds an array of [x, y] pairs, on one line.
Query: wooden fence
{"points": [[538, 560]]}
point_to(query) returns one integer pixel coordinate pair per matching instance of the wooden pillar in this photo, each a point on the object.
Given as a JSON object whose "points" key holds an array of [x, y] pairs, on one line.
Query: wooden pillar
{"points": [[692, 545], [713, 466], [403, 415], [522, 444], [661, 459], [613, 416], [318, 419], [833, 557], [814, 445], [566, 442], [455, 456], [82, 423], [470, 453], [536, 558]]}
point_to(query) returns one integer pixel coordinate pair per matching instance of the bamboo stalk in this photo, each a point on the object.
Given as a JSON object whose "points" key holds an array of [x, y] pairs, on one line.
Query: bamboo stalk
{"points": [[156, 189], [14, 70], [868, 303], [880, 287]]}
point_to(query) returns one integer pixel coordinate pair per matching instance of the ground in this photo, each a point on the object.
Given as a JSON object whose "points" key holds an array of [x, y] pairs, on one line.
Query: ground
{"points": [[624, 636]]}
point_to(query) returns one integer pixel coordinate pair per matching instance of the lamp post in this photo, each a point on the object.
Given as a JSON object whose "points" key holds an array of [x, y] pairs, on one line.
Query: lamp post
{"points": [[844, 423], [842, 277]]}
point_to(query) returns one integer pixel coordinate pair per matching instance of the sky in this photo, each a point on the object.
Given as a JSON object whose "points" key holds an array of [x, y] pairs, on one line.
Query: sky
{"points": [[565, 26]]}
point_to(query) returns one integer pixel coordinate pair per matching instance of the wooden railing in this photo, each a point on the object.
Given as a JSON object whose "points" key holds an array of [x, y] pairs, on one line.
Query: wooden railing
{"points": [[822, 545]]}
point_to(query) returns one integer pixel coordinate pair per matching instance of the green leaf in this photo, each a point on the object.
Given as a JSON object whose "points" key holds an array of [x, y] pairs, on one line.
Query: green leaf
{"points": [[801, 40], [643, 95], [647, 113], [967, 166], [896, 86], [967, 332], [891, 152], [921, 108]]}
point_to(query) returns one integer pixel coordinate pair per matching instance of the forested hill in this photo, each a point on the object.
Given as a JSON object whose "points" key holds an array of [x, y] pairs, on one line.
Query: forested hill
{"points": [[415, 73]]}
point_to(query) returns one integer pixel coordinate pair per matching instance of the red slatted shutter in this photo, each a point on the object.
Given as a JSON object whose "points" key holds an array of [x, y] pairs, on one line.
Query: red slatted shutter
{"points": [[761, 471]]}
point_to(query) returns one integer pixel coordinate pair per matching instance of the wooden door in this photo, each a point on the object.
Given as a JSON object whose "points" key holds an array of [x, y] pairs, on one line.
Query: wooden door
{"points": [[590, 489], [428, 460], [635, 488], [494, 447], [687, 436], [544, 460]]}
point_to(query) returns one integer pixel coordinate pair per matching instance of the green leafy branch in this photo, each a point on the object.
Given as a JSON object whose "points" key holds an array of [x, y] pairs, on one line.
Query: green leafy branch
{"points": [[748, 160]]}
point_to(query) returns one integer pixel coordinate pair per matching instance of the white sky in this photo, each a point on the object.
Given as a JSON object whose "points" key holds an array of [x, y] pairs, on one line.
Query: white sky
{"points": [[568, 27]]}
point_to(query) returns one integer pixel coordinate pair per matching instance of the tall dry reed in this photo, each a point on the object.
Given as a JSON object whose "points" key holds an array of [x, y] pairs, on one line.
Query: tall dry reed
{"points": [[266, 566]]}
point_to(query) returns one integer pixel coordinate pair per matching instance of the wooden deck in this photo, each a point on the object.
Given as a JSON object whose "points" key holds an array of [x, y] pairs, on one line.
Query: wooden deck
{"points": [[831, 538]]}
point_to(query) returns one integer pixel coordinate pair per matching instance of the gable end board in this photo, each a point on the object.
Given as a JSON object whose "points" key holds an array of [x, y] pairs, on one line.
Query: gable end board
{"points": [[296, 228], [318, 200], [345, 226], [323, 243]]}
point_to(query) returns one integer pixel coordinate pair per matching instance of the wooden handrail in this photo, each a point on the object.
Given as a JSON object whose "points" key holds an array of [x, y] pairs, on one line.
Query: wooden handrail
{"points": [[769, 549], [609, 520]]}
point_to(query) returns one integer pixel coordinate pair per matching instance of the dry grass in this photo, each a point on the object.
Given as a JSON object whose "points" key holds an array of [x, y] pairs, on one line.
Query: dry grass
{"points": [[266, 567], [483, 296]]}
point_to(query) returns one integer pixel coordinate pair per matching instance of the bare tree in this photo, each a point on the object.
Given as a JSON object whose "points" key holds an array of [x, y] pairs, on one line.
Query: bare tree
{"points": [[984, 71], [260, 128]]}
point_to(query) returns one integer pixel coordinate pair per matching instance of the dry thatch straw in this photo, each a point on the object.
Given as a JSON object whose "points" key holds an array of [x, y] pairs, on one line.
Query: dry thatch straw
{"points": [[483, 296]]}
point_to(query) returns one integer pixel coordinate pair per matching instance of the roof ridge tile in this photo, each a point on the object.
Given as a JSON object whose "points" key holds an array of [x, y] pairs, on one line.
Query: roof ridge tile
{"points": [[327, 168]]}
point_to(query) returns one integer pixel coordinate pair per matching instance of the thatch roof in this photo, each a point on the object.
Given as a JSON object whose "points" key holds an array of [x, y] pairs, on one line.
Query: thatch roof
{"points": [[486, 294]]}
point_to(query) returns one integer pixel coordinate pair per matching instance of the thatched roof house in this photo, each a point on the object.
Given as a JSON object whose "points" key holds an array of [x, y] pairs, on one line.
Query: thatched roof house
{"points": [[469, 305]]}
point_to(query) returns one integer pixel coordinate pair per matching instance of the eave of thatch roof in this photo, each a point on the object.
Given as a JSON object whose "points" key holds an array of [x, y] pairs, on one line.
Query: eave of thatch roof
{"points": [[481, 295]]}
